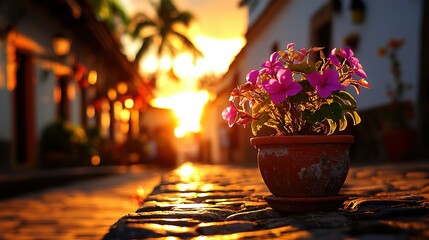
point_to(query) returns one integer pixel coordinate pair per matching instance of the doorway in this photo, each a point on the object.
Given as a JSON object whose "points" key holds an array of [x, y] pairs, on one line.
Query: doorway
{"points": [[321, 28], [24, 117]]}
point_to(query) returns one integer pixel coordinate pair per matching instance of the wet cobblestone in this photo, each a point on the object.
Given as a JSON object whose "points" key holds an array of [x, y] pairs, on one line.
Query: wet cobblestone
{"points": [[226, 202], [80, 210]]}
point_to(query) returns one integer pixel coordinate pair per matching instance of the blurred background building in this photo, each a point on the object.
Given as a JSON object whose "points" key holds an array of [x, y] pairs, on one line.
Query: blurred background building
{"points": [[67, 93]]}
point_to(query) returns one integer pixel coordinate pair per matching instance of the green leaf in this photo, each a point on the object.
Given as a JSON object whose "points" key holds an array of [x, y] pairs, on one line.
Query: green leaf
{"points": [[256, 108], [346, 97], [255, 128], [343, 123], [303, 67], [301, 97], [332, 111], [257, 124], [313, 118], [332, 126], [355, 117]]}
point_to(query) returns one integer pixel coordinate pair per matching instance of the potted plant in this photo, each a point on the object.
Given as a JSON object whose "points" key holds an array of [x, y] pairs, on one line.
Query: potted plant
{"points": [[304, 164], [63, 144], [398, 135]]}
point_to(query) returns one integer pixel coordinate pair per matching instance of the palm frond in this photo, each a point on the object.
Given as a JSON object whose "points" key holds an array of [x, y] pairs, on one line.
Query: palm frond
{"points": [[188, 44], [140, 26], [118, 9], [147, 42], [184, 18]]}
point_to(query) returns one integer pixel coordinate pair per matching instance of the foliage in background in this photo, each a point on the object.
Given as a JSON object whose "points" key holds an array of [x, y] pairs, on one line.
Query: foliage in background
{"points": [[162, 31], [63, 144], [400, 111]]}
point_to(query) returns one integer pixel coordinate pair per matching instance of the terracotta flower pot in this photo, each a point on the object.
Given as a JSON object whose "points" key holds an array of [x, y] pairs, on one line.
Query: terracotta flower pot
{"points": [[303, 166]]}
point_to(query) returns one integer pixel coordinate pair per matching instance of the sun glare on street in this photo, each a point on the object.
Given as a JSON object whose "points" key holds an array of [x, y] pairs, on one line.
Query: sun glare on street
{"points": [[187, 107]]}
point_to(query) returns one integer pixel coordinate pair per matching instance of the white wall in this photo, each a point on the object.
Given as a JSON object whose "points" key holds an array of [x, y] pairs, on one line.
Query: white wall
{"points": [[75, 104], [385, 19], [256, 10], [291, 25], [5, 115], [45, 106]]}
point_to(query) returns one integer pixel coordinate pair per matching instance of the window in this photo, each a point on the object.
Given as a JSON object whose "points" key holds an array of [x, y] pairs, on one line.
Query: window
{"points": [[321, 28]]}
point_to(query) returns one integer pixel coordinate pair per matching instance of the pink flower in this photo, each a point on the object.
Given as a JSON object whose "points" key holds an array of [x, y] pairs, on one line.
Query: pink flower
{"points": [[252, 76], [244, 119], [230, 114], [348, 55], [333, 58], [285, 86], [325, 82], [290, 45], [272, 65], [359, 71]]}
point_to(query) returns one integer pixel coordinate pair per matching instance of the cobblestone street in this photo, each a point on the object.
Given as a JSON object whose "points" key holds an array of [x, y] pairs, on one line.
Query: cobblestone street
{"points": [[225, 202], [82, 210]]}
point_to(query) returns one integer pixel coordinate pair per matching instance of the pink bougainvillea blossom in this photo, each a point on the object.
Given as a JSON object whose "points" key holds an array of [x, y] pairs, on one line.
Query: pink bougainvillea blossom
{"points": [[325, 82], [272, 65], [244, 119], [230, 114], [333, 58], [359, 71], [285, 86], [252, 76], [290, 45], [348, 55]]}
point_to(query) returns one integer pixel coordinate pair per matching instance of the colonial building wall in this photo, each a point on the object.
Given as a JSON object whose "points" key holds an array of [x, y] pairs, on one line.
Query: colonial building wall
{"points": [[384, 20]]}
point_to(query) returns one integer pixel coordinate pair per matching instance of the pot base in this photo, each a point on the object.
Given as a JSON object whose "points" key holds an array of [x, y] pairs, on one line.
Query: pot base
{"points": [[305, 204]]}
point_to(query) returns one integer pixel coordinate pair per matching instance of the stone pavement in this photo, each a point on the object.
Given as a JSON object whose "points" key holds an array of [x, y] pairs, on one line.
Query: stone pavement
{"points": [[81, 210], [225, 202]]}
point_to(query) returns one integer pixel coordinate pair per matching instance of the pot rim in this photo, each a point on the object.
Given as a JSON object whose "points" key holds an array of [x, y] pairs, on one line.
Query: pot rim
{"points": [[267, 140]]}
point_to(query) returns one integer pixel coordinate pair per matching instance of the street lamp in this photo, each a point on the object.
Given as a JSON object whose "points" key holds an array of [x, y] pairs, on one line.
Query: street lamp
{"points": [[61, 45]]}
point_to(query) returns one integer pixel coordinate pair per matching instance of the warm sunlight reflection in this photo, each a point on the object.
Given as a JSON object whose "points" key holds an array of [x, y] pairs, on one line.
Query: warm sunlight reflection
{"points": [[139, 195], [183, 187], [186, 171], [187, 107], [207, 187], [140, 191]]}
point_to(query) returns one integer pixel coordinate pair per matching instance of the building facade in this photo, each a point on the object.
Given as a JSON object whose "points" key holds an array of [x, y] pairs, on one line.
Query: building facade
{"points": [[59, 63]]}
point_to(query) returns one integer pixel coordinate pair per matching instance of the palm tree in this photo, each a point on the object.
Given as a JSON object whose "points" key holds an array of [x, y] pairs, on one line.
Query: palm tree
{"points": [[161, 31]]}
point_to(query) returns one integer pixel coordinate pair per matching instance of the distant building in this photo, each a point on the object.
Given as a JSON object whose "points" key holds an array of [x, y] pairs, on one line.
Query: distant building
{"points": [[58, 62], [363, 25]]}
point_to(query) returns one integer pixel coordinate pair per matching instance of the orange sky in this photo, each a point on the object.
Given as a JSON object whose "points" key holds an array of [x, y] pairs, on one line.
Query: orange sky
{"points": [[218, 32]]}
